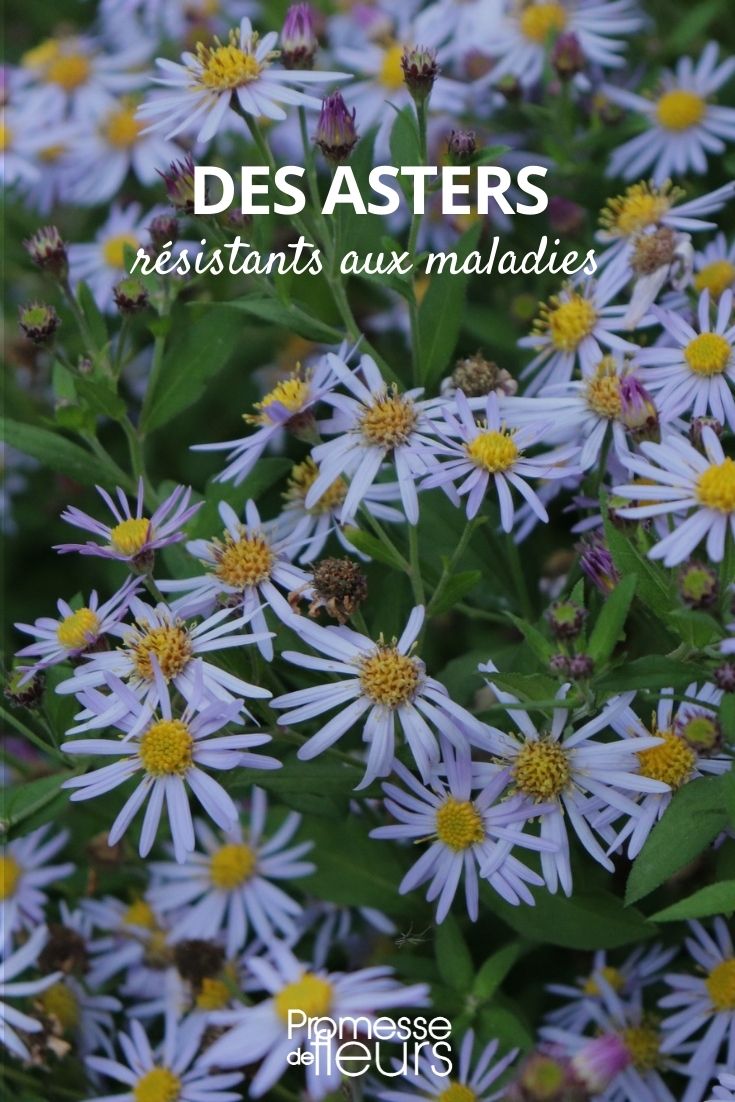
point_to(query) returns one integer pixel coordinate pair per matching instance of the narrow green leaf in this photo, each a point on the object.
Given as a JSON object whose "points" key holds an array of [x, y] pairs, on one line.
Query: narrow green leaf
{"points": [[715, 899], [372, 546], [60, 454], [289, 316], [452, 955], [495, 969], [101, 397], [92, 316], [456, 588], [655, 586], [611, 621], [440, 314], [587, 920], [538, 643], [655, 671], [26, 799]]}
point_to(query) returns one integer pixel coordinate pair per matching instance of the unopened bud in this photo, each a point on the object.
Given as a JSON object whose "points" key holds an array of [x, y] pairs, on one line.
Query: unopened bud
{"points": [[164, 231], [179, 181], [336, 133], [698, 584], [48, 251], [600, 1061], [38, 321], [566, 619], [697, 425], [462, 146], [420, 70], [565, 216], [581, 666], [567, 56], [24, 691], [298, 42], [130, 296], [559, 664], [638, 410], [597, 564], [724, 677]]}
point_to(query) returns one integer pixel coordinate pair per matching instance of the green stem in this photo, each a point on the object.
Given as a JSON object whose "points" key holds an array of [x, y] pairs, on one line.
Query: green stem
{"points": [[417, 582], [32, 737], [385, 539], [519, 581], [450, 565]]}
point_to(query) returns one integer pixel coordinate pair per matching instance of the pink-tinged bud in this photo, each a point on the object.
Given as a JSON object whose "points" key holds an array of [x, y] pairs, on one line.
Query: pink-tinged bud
{"points": [[336, 133], [698, 425], [47, 250], [164, 230], [724, 677], [638, 410], [565, 216], [567, 56], [597, 563], [420, 70], [462, 146], [38, 321], [299, 43], [179, 181], [600, 1062]]}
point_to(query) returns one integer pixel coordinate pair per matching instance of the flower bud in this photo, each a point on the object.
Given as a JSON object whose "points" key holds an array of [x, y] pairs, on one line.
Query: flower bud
{"points": [[724, 677], [638, 410], [336, 133], [597, 564], [701, 731], [545, 1077], [179, 181], [24, 694], [298, 38], [130, 296], [581, 666], [600, 1061], [566, 619], [47, 250], [38, 321], [698, 424], [164, 231], [559, 665], [420, 70], [567, 56], [698, 584], [475, 377], [462, 146], [565, 216]]}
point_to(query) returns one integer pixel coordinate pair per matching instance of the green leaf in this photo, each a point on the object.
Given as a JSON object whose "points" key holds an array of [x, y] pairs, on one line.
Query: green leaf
{"points": [[698, 812], [655, 671], [697, 629], [289, 316], [495, 969], [405, 148], [201, 345], [715, 899], [60, 454], [587, 920], [526, 686], [538, 643], [507, 1025], [727, 720], [452, 955], [92, 316], [611, 621], [101, 396], [456, 588], [440, 314], [655, 586], [372, 546], [27, 799]]}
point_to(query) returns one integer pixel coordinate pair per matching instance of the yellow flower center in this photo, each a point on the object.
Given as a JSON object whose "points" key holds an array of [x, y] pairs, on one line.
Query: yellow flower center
{"points": [[715, 277], [641, 205], [644, 1044], [569, 322], [51, 153], [171, 645], [6, 137], [291, 393], [69, 71], [390, 678], [166, 748], [603, 390], [311, 994], [716, 487], [680, 109], [10, 874], [59, 1001], [141, 914], [244, 562], [389, 421], [493, 451], [459, 824], [40, 56], [113, 249], [611, 976], [232, 865], [227, 67], [540, 21], [157, 1085], [542, 770], [708, 354], [121, 128], [457, 1092], [721, 985], [672, 761], [391, 70], [213, 995], [79, 629], [301, 479], [129, 536]]}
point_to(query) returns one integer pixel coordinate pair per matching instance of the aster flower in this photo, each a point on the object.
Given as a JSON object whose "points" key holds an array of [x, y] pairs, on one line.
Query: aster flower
{"points": [[229, 887], [572, 772], [695, 373], [127, 937], [334, 925], [74, 1014], [245, 568], [175, 1071], [690, 747], [714, 267], [12, 987], [468, 1084], [203, 85], [476, 453], [681, 479], [467, 832], [725, 1091], [133, 538], [263, 1033], [384, 679], [24, 873], [167, 758], [683, 125], [101, 263], [76, 630]]}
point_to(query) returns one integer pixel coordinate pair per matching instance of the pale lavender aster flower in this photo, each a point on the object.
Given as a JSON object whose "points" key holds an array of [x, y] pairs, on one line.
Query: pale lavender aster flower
{"points": [[725, 1091], [25, 872], [13, 987], [714, 267], [469, 1082], [126, 937]]}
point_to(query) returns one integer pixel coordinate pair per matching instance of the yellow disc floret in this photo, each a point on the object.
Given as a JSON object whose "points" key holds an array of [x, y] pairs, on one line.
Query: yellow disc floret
{"points": [[708, 354], [79, 629], [542, 770], [311, 994], [390, 678], [140, 913], [232, 865], [59, 1002], [716, 487], [715, 277], [113, 249], [171, 645], [540, 21], [389, 421], [493, 451], [10, 874], [166, 748], [459, 824], [602, 390], [121, 128], [672, 761], [720, 985], [391, 71], [214, 994], [302, 478], [245, 561], [129, 536], [567, 321], [226, 67], [6, 137], [291, 393], [457, 1092], [643, 1042], [640, 206], [157, 1085], [680, 109], [611, 976]]}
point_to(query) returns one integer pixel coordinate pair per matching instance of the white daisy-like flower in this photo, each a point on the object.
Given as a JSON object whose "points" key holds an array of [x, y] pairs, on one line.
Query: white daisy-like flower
{"points": [[24, 873], [101, 263], [468, 831], [474, 455], [128, 937], [228, 888], [681, 479], [466, 1083], [572, 772], [382, 684], [694, 374], [714, 267], [575, 329], [245, 569], [174, 1072], [170, 756], [157, 649], [520, 42], [77, 1016], [204, 84], [11, 986], [690, 747], [705, 1000], [21, 142], [683, 125], [270, 1030], [371, 425], [76, 630]]}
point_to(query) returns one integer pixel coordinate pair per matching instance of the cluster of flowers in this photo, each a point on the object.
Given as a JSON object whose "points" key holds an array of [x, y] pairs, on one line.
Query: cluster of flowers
{"points": [[208, 950]]}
